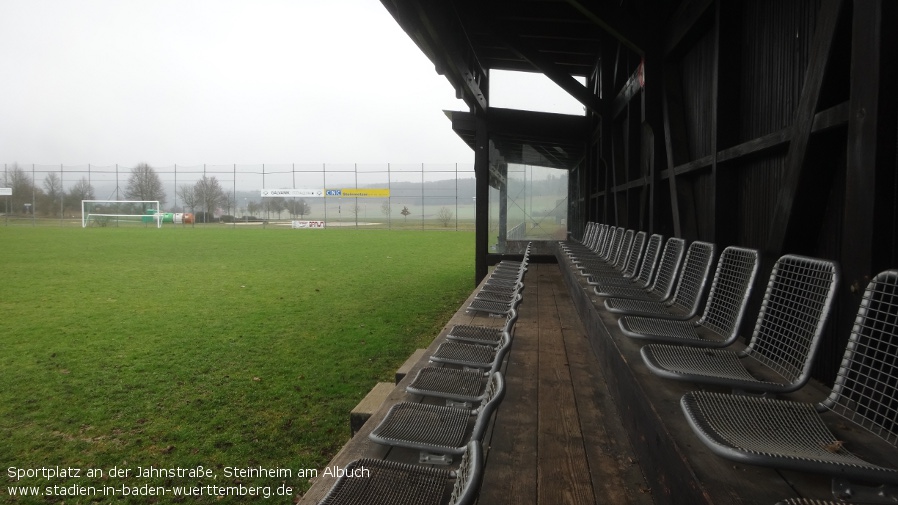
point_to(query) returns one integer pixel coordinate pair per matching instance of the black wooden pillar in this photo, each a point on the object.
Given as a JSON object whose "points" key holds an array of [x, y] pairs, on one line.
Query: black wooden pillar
{"points": [[868, 222], [482, 192], [503, 206]]}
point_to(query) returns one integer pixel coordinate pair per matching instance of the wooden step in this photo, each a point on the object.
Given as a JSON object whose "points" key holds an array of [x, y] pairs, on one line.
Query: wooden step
{"points": [[369, 405]]}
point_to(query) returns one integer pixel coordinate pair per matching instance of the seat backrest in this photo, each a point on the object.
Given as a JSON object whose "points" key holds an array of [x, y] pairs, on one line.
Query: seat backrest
{"points": [[668, 267], [599, 242], [728, 297], [634, 255], [495, 390], [468, 475], [589, 232], [620, 257], [866, 388], [502, 349], [612, 244], [649, 260], [693, 276], [794, 311], [511, 318]]}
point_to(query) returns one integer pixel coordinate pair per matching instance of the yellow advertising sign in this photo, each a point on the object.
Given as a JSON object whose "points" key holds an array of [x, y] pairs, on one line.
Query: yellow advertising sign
{"points": [[366, 193]]}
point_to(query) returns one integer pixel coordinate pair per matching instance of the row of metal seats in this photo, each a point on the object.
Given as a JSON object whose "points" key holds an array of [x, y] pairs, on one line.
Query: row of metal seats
{"points": [[658, 301], [464, 378]]}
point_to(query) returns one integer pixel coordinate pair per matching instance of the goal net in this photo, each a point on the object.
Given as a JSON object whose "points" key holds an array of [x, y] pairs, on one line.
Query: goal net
{"points": [[120, 212]]}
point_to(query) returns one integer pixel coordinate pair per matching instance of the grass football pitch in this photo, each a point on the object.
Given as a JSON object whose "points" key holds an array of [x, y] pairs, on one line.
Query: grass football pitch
{"points": [[182, 350]]}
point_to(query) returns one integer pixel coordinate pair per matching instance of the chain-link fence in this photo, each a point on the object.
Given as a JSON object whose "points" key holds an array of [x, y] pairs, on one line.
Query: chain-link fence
{"points": [[401, 196]]}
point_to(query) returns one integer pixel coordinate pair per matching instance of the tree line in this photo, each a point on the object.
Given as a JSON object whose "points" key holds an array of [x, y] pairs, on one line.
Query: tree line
{"points": [[50, 199], [204, 198]]}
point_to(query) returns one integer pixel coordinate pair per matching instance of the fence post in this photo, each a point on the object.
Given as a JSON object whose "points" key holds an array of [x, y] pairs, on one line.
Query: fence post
{"points": [[33, 200]]}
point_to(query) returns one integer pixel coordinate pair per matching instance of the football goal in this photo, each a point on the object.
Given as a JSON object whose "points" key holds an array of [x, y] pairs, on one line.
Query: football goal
{"points": [[120, 212]]}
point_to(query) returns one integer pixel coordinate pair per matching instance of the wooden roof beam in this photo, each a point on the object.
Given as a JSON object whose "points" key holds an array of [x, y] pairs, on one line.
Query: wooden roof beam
{"points": [[615, 22], [447, 49], [551, 70]]}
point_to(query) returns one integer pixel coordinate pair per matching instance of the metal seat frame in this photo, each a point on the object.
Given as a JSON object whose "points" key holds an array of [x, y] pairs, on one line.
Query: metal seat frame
{"points": [[618, 258], [646, 269], [719, 324], [496, 308], [484, 335], [688, 293], [662, 286], [862, 407], [379, 482], [629, 267], [438, 431], [472, 355], [499, 296], [787, 333]]}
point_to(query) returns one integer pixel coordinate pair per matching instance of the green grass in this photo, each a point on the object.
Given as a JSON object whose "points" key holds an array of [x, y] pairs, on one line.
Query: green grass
{"points": [[210, 346]]}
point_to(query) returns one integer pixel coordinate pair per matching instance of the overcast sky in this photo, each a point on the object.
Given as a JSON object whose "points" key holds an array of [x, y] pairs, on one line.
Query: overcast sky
{"points": [[219, 82]]}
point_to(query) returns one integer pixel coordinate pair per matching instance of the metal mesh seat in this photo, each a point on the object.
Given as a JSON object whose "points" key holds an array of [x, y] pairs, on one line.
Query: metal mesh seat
{"points": [[503, 282], [573, 248], [618, 257], [808, 501], [719, 324], [641, 280], [378, 482], [662, 286], [787, 333], [493, 296], [591, 234], [501, 308], [435, 430], [687, 296], [794, 435], [483, 335], [452, 384], [600, 250], [507, 290], [471, 355], [629, 267]]}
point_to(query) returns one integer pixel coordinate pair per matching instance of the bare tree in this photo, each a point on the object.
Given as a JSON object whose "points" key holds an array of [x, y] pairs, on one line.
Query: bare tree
{"points": [[444, 216], [209, 194], [385, 208], [82, 190], [144, 184], [300, 208], [253, 208], [405, 212], [188, 196], [53, 193], [22, 187], [276, 205]]}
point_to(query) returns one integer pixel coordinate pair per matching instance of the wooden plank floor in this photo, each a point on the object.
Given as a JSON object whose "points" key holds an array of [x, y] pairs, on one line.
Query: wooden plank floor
{"points": [[557, 437]]}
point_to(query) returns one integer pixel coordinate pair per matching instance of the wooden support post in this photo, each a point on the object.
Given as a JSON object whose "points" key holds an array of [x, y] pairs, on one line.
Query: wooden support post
{"points": [[503, 207], [724, 115], [482, 195], [682, 204], [606, 161], [785, 218], [652, 121], [868, 222]]}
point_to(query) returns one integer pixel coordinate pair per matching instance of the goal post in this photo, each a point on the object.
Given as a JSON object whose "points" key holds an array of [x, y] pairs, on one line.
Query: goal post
{"points": [[117, 212]]}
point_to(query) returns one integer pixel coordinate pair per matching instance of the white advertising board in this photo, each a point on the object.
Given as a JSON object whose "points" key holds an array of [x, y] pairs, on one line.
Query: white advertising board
{"points": [[5, 191], [308, 224], [287, 193]]}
